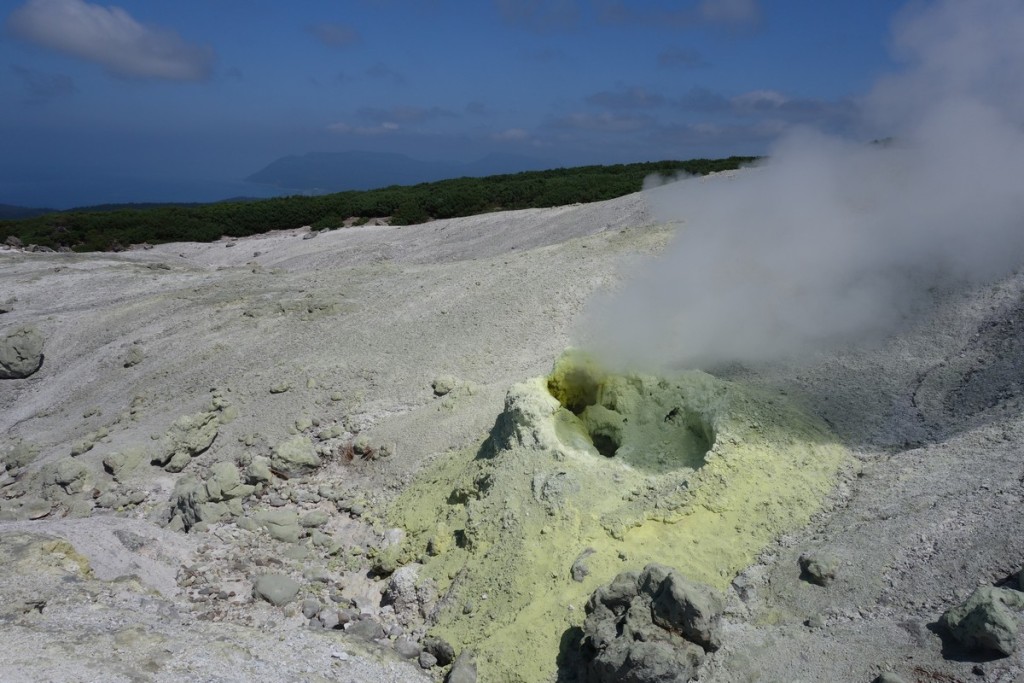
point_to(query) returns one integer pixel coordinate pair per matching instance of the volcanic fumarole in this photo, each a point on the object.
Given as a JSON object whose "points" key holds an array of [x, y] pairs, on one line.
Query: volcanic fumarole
{"points": [[586, 474]]}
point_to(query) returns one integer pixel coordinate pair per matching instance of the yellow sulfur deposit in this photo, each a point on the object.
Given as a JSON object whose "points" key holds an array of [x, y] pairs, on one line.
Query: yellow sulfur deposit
{"points": [[587, 474]]}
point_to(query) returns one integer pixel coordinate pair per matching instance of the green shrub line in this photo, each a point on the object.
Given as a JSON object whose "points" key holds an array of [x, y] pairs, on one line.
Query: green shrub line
{"points": [[100, 230]]}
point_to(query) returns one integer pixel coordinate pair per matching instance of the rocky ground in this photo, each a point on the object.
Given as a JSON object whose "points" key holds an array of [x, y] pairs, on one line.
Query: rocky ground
{"points": [[198, 476]]}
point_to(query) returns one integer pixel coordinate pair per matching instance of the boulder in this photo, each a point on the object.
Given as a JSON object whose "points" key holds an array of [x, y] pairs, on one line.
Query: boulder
{"points": [[21, 353], [189, 436], [463, 670], [67, 475], [407, 648], [280, 524], [225, 483], [122, 463], [217, 499], [985, 623], [294, 457], [277, 589], [652, 626]]}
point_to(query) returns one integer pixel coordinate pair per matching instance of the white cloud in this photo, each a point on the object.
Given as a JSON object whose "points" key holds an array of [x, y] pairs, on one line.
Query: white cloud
{"points": [[343, 128], [111, 37], [604, 121], [761, 98]]}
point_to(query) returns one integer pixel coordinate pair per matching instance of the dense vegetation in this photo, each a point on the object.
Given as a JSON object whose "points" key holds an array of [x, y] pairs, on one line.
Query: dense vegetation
{"points": [[92, 230]]}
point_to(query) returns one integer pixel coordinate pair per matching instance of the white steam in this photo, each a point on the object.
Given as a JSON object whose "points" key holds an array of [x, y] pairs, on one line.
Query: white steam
{"points": [[831, 240]]}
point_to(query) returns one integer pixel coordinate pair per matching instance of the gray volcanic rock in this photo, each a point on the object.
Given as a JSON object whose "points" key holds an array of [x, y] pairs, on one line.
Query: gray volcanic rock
{"points": [[463, 670], [818, 568], [21, 353], [647, 627], [277, 589], [984, 623]]}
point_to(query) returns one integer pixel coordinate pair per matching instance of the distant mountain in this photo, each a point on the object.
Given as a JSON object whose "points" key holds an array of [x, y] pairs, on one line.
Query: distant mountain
{"points": [[12, 212], [339, 171]]}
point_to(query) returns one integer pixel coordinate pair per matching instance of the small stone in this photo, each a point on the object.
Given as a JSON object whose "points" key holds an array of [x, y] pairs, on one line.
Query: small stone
{"points": [[440, 648], [427, 660], [579, 569], [280, 387], [443, 385], [310, 607], [134, 356], [82, 446], [314, 519], [818, 568], [328, 618], [366, 628]]}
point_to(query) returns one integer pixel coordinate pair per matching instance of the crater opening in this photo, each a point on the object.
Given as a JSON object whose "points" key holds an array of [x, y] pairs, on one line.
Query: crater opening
{"points": [[605, 445], [650, 423]]}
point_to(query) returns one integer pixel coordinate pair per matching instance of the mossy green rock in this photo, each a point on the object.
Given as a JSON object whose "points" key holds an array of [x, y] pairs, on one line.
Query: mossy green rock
{"points": [[295, 457], [280, 524], [189, 436]]}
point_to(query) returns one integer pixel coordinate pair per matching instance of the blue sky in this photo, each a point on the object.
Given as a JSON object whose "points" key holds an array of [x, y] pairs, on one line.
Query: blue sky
{"points": [[164, 101]]}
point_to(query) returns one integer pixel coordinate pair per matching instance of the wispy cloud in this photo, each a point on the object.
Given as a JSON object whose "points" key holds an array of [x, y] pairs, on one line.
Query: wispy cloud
{"points": [[334, 34], [41, 87], [384, 128], [384, 72], [540, 15], [680, 58], [512, 135], [112, 38], [627, 98], [406, 115], [604, 122], [767, 104]]}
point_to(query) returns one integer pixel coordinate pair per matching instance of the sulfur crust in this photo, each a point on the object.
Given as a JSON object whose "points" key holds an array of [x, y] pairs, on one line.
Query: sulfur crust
{"points": [[499, 528]]}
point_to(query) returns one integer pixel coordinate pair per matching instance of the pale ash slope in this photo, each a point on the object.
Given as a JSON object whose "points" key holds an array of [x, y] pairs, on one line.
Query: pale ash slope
{"points": [[360, 321], [355, 324]]}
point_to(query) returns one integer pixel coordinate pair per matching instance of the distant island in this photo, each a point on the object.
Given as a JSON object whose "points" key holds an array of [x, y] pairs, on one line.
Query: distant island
{"points": [[100, 229]]}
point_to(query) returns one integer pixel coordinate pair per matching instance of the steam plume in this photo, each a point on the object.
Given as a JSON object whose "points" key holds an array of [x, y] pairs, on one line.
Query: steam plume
{"points": [[833, 240]]}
